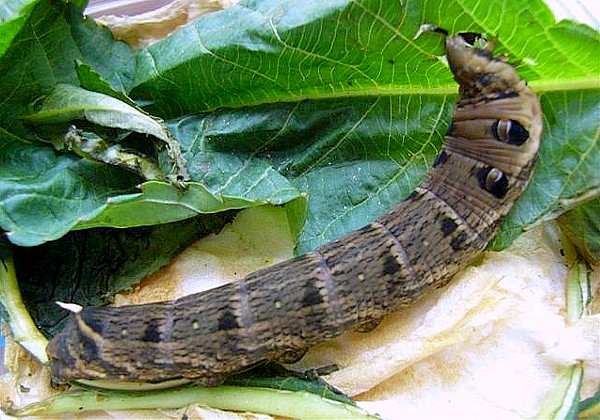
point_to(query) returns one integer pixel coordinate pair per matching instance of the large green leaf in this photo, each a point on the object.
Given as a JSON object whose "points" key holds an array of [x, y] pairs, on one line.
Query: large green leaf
{"points": [[342, 99], [282, 51], [333, 98], [44, 193], [340, 152]]}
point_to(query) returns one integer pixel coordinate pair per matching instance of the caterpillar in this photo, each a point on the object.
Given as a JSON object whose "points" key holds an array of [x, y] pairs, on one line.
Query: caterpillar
{"points": [[276, 313]]}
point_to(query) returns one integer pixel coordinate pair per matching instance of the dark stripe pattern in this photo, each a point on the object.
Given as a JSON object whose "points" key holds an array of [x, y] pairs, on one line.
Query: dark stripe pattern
{"points": [[278, 312]]}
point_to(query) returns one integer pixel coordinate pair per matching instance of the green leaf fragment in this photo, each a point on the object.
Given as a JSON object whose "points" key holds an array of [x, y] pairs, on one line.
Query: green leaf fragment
{"points": [[582, 227], [43, 195], [160, 202], [13, 16], [91, 80], [93, 147], [562, 402], [300, 405], [578, 291], [590, 407], [274, 376], [19, 321], [67, 103]]}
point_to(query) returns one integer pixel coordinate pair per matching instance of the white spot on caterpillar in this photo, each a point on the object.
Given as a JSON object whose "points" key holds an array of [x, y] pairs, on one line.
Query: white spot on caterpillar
{"points": [[195, 325], [361, 276], [124, 332], [277, 305]]}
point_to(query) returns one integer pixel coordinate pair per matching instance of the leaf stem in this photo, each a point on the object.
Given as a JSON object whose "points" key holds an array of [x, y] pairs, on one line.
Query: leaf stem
{"points": [[301, 405], [21, 325]]}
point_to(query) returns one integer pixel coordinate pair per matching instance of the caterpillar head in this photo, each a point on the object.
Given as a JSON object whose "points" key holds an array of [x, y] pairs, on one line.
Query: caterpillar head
{"points": [[498, 118], [480, 75]]}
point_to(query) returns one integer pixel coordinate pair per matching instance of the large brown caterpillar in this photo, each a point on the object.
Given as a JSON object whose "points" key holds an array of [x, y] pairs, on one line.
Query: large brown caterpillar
{"points": [[485, 164]]}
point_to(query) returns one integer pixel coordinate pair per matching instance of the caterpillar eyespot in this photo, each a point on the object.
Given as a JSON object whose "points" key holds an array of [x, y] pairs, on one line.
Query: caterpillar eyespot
{"points": [[493, 181], [510, 131], [275, 313]]}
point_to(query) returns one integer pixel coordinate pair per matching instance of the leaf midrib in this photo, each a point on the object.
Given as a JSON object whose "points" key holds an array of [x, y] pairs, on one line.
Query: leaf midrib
{"points": [[538, 86]]}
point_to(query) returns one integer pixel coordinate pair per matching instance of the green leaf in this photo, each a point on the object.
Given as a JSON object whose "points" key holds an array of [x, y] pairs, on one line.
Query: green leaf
{"points": [[90, 79], [13, 310], [590, 407], [340, 152], [65, 193], [271, 375], [582, 226], [336, 97], [562, 402], [300, 405], [67, 103], [344, 102], [45, 193], [13, 15], [159, 202], [44, 53]]}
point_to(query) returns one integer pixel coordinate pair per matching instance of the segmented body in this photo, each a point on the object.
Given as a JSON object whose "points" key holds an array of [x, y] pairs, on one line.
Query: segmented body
{"points": [[274, 313]]}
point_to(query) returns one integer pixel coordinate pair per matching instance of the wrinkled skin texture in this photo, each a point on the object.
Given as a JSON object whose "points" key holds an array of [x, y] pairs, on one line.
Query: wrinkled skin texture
{"points": [[277, 312]]}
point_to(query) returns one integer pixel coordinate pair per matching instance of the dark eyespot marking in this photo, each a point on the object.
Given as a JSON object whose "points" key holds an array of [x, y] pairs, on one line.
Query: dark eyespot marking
{"points": [[493, 181], [312, 295], [459, 242], [510, 132], [471, 37], [390, 266], [448, 226], [441, 159], [152, 333], [228, 321]]}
